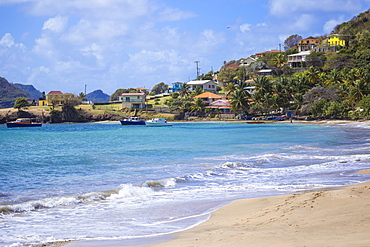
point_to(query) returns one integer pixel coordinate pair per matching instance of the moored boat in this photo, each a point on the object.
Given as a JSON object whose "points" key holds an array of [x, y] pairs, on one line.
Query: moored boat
{"points": [[157, 122], [133, 121], [24, 122], [255, 122]]}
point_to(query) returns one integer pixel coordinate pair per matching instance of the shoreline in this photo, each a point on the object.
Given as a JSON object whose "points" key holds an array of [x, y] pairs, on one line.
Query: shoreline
{"points": [[329, 217], [339, 217]]}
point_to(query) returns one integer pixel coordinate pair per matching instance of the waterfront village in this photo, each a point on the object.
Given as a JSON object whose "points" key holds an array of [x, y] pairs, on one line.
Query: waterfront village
{"points": [[230, 93]]}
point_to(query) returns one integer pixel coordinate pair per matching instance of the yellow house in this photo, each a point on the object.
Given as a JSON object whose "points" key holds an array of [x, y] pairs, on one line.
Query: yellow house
{"points": [[57, 98], [336, 39]]}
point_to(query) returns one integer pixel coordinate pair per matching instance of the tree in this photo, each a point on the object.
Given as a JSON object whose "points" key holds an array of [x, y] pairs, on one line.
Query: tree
{"points": [[160, 88], [21, 103], [239, 101], [292, 41], [185, 90], [198, 105]]}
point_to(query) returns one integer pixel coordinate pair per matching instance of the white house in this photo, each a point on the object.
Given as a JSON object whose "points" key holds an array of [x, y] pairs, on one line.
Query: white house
{"points": [[296, 60], [206, 85]]}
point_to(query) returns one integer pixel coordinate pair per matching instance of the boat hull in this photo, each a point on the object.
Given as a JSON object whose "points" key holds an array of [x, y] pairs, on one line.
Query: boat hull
{"points": [[12, 125], [123, 122], [158, 124]]}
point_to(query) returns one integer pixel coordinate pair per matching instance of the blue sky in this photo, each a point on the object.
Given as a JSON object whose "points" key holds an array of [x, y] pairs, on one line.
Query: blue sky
{"points": [[111, 44]]}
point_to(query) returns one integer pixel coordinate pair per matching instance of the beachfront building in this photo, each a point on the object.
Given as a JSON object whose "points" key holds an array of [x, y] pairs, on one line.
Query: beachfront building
{"points": [[298, 59], [206, 85], [222, 106], [307, 44], [132, 100]]}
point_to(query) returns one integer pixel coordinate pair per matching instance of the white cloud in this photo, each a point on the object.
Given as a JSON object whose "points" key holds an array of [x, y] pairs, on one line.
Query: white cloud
{"points": [[303, 22], [331, 24], [56, 24], [245, 27], [7, 40], [171, 14]]}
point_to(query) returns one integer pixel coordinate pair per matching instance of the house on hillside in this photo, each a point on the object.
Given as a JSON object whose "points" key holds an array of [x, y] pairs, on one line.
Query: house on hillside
{"points": [[208, 97], [176, 87], [142, 90], [247, 61], [132, 100], [307, 44], [265, 53], [206, 85], [298, 60], [336, 40]]}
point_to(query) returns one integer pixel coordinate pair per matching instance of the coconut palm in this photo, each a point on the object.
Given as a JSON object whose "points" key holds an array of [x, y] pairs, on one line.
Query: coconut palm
{"points": [[239, 101], [185, 90]]}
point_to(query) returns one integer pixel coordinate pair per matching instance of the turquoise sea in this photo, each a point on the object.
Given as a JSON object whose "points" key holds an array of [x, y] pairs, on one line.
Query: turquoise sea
{"points": [[108, 182]]}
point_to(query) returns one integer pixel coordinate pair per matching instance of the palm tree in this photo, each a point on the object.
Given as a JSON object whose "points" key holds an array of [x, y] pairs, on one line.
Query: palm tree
{"points": [[198, 105], [230, 88], [263, 86], [185, 90], [239, 101]]}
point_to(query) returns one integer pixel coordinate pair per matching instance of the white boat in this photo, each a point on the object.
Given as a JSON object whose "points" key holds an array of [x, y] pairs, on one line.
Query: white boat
{"points": [[157, 122]]}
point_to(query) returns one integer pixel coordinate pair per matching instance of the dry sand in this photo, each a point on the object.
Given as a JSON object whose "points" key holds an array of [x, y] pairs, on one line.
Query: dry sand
{"points": [[322, 218]]}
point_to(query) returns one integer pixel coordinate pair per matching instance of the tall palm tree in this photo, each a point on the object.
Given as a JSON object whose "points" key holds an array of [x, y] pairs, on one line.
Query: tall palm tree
{"points": [[263, 86], [230, 88], [239, 101], [185, 90]]}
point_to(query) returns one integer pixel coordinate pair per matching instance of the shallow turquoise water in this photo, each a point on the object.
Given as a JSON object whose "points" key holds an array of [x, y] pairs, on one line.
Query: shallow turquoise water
{"points": [[143, 181]]}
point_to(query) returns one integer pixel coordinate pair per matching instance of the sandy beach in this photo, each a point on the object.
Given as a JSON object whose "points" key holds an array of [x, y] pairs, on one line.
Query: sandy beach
{"points": [[332, 217], [322, 218]]}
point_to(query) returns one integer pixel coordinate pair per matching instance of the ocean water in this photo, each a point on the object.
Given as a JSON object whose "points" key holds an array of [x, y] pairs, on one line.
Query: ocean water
{"points": [[108, 181]]}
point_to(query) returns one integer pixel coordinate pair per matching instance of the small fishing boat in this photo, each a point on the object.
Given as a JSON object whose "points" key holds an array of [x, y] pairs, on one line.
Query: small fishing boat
{"points": [[133, 121], [24, 122], [157, 122], [255, 122]]}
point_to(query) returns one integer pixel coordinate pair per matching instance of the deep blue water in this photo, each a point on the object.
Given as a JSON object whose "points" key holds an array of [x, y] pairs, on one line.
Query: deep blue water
{"points": [[108, 181]]}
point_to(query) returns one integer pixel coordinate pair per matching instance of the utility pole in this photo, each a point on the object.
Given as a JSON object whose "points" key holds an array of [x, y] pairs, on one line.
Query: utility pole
{"points": [[198, 69]]}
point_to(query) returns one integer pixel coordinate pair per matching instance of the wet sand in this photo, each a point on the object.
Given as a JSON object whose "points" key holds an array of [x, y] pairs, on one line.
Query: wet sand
{"points": [[339, 217]]}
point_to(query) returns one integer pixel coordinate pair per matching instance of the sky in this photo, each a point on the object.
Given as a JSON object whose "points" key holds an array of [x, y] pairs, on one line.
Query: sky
{"points": [[73, 45]]}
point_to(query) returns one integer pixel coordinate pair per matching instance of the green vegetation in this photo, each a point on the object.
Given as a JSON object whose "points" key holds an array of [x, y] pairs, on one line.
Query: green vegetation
{"points": [[21, 103]]}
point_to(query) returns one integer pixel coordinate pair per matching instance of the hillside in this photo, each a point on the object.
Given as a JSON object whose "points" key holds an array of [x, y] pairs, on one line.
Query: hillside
{"points": [[30, 89], [97, 96], [9, 93]]}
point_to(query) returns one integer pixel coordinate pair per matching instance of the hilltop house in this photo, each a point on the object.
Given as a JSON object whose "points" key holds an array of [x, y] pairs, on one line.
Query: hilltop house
{"points": [[307, 44], [336, 40], [142, 90], [206, 85], [263, 54], [132, 100], [246, 62]]}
